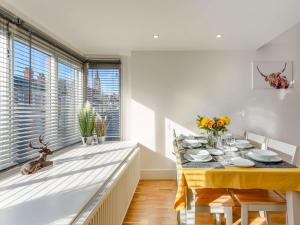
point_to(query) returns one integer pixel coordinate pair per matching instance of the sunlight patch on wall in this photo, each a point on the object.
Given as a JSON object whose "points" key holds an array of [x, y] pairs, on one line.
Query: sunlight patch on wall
{"points": [[143, 125], [283, 92], [263, 120], [170, 126]]}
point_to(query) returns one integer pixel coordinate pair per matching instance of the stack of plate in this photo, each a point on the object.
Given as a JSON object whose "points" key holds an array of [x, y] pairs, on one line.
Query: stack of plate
{"points": [[216, 152], [183, 137], [264, 156], [193, 143], [243, 144], [197, 156]]}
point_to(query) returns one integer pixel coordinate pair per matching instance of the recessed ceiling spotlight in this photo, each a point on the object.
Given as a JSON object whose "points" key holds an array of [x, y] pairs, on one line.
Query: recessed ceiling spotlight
{"points": [[155, 36], [218, 36]]}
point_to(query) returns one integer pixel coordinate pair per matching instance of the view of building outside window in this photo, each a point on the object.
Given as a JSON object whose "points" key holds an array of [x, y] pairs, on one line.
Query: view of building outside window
{"points": [[31, 70], [41, 93], [104, 96], [68, 100]]}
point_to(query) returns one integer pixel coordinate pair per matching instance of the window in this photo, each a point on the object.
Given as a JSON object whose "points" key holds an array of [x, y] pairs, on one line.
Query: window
{"points": [[41, 93], [31, 72], [69, 102], [5, 99], [104, 95]]}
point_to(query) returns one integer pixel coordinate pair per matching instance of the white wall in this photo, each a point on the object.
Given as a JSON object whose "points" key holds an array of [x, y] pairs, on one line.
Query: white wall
{"points": [[169, 89]]}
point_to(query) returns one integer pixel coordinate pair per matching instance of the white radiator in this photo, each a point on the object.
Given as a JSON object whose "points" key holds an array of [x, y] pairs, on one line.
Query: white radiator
{"points": [[109, 206]]}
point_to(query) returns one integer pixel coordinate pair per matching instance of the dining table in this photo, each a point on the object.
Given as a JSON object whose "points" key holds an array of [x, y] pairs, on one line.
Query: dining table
{"points": [[220, 173]]}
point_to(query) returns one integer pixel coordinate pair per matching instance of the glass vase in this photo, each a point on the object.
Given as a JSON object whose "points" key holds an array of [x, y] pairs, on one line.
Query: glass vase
{"points": [[214, 140]]}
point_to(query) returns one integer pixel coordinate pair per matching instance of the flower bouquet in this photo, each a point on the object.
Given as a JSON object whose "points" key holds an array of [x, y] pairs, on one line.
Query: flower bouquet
{"points": [[214, 127]]}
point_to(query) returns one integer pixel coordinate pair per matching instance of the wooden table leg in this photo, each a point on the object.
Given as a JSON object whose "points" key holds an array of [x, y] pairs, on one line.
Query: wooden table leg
{"points": [[293, 206], [191, 209]]}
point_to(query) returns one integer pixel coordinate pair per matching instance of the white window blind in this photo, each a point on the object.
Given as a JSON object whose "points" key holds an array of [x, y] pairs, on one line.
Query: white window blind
{"points": [[69, 102], [5, 99], [31, 73], [40, 94], [104, 95]]}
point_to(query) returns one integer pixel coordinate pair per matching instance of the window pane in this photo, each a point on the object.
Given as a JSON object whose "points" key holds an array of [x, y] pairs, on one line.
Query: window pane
{"points": [[41, 95], [104, 95], [30, 92], [68, 101], [5, 99]]}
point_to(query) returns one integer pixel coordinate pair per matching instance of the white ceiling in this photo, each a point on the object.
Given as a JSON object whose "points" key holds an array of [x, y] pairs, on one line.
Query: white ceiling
{"points": [[100, 27]]}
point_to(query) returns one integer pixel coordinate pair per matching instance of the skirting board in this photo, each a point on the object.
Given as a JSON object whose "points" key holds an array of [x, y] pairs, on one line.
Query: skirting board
{"points": [[158, 174]]}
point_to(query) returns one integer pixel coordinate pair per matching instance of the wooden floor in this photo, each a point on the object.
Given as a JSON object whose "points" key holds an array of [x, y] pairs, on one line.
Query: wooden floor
{"points": [[153, 200]]}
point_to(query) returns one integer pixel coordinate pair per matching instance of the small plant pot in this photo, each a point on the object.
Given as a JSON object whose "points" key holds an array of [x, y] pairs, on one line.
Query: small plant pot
{"points": [[87, 140], [101, 139]]}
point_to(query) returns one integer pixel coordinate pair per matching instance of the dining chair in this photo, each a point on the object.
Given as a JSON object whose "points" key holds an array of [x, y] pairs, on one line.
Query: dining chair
{"points": [[258, 200], [266, 200], [258, 141], [216, 201], [286, 151]]}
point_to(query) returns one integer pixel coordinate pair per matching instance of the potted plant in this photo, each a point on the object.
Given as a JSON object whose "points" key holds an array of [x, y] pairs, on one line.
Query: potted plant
{"points": [[100, 128], [86, 118]]}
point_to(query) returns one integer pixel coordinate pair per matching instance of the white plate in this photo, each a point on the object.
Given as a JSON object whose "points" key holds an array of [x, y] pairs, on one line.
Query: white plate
{"points": [[198, 154], [185, 145], [265, 154], [215, 151], [190, 158], [231, 149], [191, 141], [259, 159], [244, 145], [242, 142], [202, 141], [241, 162]]}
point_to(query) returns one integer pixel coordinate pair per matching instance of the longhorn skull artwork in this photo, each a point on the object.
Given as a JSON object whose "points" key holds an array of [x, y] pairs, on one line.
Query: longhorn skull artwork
{"points": [[276, 80]]}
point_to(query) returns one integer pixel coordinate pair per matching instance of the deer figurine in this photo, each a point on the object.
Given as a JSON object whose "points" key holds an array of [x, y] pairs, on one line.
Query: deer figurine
{"points": [[35, 165], [276, 80]]}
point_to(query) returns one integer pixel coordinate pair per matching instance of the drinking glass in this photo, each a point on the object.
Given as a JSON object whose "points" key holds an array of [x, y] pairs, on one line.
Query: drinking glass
{"points": [[230, 141]]}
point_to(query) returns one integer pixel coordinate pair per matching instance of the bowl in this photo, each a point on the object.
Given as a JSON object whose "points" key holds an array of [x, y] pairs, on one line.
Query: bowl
{"points": [[242, 142], [198, 154], [265, 154]]}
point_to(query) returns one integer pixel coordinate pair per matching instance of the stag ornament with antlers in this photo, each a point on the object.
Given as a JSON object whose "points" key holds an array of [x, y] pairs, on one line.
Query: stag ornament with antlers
{"points": [[276, 80], [35, 165]]}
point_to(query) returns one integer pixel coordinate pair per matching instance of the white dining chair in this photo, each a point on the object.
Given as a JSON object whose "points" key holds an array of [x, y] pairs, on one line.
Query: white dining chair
{"points": [[216, 201], [286, 151], [266, 200], [258, 141]]}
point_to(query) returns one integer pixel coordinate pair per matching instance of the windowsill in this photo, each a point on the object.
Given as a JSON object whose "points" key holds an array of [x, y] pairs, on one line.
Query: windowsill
{"points": [[56, 195]]}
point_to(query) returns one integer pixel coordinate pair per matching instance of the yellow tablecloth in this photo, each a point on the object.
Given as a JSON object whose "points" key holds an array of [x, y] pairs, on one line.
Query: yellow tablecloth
{"points": [[284, 179]]}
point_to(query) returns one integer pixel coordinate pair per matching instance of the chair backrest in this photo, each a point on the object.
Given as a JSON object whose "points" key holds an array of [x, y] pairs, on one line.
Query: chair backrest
{"points": [[257, 140], [286, 151], [175, 141], [178, 158], [174, 134]]}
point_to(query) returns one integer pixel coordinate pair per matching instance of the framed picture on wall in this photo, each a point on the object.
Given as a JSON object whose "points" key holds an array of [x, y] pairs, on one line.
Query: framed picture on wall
{"points": [[272, 75]]}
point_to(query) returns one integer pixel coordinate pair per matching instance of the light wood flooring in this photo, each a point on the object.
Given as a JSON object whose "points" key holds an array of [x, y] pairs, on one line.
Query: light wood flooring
{"points": [[153, 200]]}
